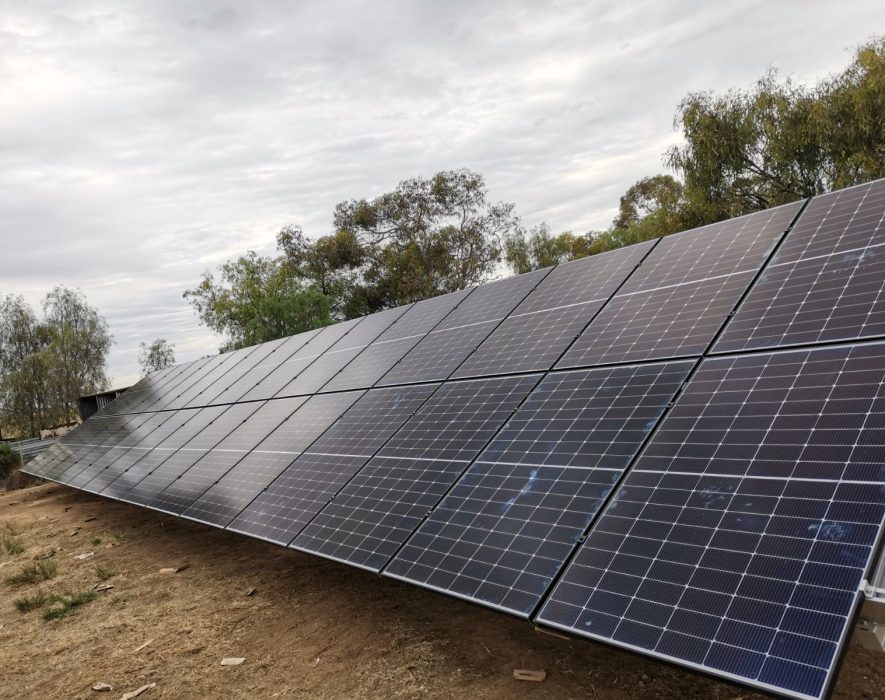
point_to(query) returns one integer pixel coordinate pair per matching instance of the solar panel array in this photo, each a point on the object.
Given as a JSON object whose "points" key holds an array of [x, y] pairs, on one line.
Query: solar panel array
{"points": [[677, 447]]}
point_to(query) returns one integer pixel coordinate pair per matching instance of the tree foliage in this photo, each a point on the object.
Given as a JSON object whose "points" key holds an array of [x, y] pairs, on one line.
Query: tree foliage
{"points": [[257, 299], [155, 356], [744, 151], [780, 141], [428, 236], [536, 248], [45, 366]]}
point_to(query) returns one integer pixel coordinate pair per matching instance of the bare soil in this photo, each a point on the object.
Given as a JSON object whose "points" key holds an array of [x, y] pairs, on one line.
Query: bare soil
{"points": [[312, 628]]}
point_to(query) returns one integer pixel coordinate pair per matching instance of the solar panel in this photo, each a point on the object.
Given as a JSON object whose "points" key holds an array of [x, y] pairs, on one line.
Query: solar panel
{"points": [[218, 461], [345, 350], [110, 465], [506, 528], [301, 361], [826, 282], [738, 541], [103, 436], [384, 502], [371, 364], [680, 296], [217, 392], [177, 462], [236, 489], [196, 385], [152, 449], [67, 451], [106, 452], [247, 378], [137, 391], [540, 329], [440, 352], [132, 403], [728, 530], [279, 513]]}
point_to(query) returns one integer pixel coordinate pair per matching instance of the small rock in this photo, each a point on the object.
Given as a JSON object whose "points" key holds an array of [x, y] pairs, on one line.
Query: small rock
{"points": [[102, 687], [250, 592], [645, 678], [526, 674], [135, 693], [85, 555], [174, 569], [100, 587], [232, 661]]}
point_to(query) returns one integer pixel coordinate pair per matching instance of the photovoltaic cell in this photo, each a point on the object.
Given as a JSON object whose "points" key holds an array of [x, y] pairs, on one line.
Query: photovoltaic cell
{"points": [[244, 379], [826, 282], [301, 361], [440, 352], [680, 296], [65, 454], [179, 461], [137, 391], [111, 464], [506, 528], [382, 505], [739, 539], [553, 315], [308, 483], [220, 504], [107, 451], [214, 464], [152, 450], [345, 350], [219, 392], [145, 401], [371, 364], [200, 383]]}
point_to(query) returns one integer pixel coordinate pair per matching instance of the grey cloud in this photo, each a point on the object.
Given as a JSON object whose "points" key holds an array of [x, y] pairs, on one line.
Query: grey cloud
{"points": [[141, 143]]}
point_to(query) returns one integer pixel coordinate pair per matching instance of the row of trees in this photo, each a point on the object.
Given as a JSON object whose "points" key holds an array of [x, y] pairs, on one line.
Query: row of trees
{"points": [[743, 151], [47, 364]]}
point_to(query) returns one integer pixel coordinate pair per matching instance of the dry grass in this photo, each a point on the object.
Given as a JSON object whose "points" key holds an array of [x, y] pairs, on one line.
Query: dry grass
{"points": [[64, 605], [12, 544], [105, 572], [34, 573], [32, 602]]}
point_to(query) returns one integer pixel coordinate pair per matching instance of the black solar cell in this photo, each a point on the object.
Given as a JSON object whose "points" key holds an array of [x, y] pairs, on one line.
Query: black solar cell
{"points": [[301, 361], [395, 342], [680, 296], [314, 477], [739, 539], [340, 354], [440, 352], [149, 452], [548, 320], [149, 400], [244, 379], [181, 460], [218, 461], [385, 501], [502, 533], [827, 281], [236, 489], [194, 388]]}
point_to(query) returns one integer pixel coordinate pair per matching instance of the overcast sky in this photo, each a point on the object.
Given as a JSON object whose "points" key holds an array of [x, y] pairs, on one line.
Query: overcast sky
{"points": [[141, 143]]}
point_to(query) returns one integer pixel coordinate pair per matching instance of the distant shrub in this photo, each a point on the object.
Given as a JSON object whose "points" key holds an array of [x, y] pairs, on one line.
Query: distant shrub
{"points": [[8, 460]]}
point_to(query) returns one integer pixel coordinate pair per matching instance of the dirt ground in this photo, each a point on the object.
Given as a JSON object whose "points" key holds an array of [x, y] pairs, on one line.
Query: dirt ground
{"points": [[311, 629]]}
